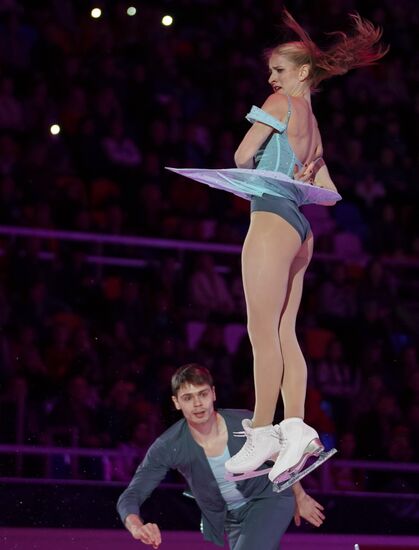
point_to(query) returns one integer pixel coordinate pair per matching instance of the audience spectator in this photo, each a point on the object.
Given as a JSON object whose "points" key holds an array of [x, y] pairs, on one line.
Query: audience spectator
{"points": [[337, 381], [131, 452], [346, 478], [369, 190], [374, 429], [337, 305], [11, 112], [208, 291]]}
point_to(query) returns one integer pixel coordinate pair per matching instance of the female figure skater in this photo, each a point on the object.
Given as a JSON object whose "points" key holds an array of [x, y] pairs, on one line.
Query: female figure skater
{"points": [[278, 247]]}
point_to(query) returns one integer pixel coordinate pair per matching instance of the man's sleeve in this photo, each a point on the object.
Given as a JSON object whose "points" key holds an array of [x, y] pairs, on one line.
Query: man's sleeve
{"points": [[149, 474]]}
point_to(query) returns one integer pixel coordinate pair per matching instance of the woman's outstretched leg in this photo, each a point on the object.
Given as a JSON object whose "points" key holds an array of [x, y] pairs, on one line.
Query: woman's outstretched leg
{"points": [[294, 381], [268, 253], [298, 440]]}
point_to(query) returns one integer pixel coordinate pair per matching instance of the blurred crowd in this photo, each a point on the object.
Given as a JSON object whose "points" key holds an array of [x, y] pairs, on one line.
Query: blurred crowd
{"points": [[92, 350]]}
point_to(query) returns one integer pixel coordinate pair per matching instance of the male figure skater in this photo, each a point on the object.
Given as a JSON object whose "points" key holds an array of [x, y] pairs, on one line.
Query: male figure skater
{"points": [[251, 515]]}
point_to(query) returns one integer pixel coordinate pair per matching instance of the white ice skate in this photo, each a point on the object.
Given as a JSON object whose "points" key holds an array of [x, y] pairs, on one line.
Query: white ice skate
{"points": [[299, 442], [262, 444], [278, 487]]}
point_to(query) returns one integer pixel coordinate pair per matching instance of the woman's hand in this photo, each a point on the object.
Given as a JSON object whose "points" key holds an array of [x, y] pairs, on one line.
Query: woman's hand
{"points": [[316, 173], [308, 509], [307, 173]]}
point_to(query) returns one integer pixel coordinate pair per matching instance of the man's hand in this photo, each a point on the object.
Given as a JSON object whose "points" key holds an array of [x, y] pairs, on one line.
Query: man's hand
{"points": [[308, 509], [147, 533]]}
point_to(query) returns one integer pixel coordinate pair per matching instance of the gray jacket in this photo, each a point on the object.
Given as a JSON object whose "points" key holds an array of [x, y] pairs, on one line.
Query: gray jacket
{"points": [[176, 449]]}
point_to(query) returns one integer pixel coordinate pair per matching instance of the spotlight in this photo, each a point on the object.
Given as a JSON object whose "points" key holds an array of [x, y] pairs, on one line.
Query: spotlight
{"points": [[96, 13], [167, 20], [131, 11], [55, 129]]}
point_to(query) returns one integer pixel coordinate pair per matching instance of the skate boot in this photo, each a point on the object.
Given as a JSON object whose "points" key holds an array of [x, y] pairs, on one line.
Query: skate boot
{"points": [[262, 444], [298, 442]]}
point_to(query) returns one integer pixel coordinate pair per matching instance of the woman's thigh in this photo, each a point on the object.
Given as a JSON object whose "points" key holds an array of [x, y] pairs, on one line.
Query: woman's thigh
{"points": [[269, 249]]}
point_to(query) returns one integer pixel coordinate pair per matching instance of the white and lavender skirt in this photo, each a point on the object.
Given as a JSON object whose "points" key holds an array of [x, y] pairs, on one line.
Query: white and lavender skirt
{"points": [[248, 183]]}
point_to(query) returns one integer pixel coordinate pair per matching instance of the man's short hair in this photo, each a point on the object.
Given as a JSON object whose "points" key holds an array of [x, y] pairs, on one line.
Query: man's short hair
{"points": [[191, 373]]}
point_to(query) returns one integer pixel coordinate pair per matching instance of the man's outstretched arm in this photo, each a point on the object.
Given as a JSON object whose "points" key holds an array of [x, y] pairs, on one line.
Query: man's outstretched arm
{"points": [[148, 476]]}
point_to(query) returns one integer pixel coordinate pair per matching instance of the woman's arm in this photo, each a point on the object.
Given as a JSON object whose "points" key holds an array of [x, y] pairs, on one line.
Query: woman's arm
{"points": [[317, 173], [277, 106], [323, 179], [250, 144]]}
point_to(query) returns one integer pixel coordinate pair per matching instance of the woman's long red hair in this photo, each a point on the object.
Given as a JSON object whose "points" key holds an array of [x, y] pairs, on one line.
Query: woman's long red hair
{"points": [[359, 48]]}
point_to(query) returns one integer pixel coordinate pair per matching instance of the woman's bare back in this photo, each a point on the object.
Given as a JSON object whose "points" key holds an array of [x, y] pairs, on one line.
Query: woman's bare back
{"points": [[303, 132], [305, 140]]}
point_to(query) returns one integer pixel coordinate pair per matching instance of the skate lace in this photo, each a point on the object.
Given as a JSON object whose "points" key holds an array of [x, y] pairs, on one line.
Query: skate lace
{"points": [[240, 434], [282, 443], [281, 438], [248, 447]]}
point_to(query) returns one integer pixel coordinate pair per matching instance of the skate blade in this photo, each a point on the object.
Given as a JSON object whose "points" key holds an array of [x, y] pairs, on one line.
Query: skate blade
{"points": [[278, 487], [314, 448], [247, 475]]}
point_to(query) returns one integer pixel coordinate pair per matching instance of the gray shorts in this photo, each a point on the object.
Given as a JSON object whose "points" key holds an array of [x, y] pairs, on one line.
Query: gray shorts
{"points": [[286, 209]]}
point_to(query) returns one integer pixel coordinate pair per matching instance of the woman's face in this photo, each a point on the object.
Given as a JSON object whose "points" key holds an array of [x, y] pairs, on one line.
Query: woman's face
{"points": [[284, 75]]}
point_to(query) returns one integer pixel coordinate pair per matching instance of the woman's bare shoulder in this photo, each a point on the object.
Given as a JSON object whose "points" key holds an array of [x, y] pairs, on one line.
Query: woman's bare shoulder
{"points": [[276, 104]]}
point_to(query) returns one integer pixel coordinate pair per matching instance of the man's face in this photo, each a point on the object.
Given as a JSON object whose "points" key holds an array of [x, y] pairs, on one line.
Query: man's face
{"points": [[195, 402]]}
